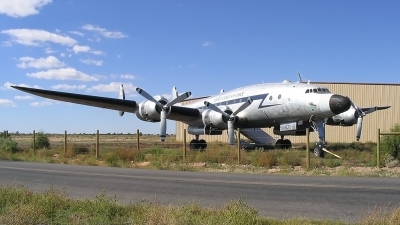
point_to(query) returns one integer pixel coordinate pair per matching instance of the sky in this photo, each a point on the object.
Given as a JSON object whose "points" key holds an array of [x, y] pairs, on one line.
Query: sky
{"points": [[90, 47]]}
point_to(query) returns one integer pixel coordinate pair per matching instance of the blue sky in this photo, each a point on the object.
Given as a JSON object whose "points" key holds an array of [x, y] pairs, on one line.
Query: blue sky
{"points": [[90, 47]]}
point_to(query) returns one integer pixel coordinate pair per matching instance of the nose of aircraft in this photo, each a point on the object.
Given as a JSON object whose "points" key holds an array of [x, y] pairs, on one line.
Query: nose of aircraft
{"points": [[339, 104]]}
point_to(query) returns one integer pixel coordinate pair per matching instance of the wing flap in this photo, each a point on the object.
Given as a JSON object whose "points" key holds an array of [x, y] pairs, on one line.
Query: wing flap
{"points": [[89, 100]]}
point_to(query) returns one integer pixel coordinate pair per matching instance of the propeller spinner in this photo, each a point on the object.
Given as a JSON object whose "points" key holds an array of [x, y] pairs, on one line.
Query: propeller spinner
{"points": [[231, 118], [164, 108]]}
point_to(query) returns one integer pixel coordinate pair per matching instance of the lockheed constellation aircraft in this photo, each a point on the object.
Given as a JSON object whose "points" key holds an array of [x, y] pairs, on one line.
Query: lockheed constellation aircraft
{"points": [[287, 107]]}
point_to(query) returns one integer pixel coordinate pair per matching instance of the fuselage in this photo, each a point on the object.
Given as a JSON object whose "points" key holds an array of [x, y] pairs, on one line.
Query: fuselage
{"points": [[273, 104]]}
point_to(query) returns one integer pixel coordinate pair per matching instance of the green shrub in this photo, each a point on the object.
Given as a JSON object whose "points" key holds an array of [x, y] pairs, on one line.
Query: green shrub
{"points": [[390, 144], [8, 145], [266, 159], [76, 149], [41, 141], [4, 135]]}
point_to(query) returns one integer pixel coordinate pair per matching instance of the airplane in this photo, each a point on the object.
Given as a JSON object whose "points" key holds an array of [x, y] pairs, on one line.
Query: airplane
{"points": [[288, 107]]}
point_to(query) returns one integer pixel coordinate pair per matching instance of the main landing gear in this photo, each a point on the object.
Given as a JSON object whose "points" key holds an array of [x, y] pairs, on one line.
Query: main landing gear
{"points": [[197, 144], [283, 143]]}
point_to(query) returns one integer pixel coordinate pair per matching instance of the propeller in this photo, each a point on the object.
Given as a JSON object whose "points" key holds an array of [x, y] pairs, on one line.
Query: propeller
{"points": [[230, 117], [360, 115], [121, 96], [164, 108]]}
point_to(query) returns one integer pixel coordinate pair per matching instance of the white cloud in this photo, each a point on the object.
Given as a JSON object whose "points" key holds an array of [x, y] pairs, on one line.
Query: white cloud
{"points": [[32, 37], [62, 74], [92, 62], [103, 31], [68, 87], [48, 50], [113, 87], [7, 86], [40, 63], [79, 48], [76, 32], [26, 97], [207, 44], [41, 104], [97, 52], [21, 8], [7, 103], [127, 76]]}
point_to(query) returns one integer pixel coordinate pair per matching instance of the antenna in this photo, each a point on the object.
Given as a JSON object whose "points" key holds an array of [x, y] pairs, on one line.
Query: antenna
{"points": [[298, 73]]}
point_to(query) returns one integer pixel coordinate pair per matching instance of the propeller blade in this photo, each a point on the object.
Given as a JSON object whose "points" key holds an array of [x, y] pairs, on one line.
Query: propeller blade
{"points": [[231, 132], [242, 107], [148, 97], [163, 125], [359, 127], [178, 99], [216, 109], [121, 96], [371, 110]]}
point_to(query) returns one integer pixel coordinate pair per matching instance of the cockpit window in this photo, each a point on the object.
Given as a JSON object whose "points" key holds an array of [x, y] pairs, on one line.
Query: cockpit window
{"points": [[317, 90]]}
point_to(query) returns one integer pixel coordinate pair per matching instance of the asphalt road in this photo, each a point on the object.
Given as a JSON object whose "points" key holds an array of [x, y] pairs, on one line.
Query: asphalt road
{"points": [[344, 198]]}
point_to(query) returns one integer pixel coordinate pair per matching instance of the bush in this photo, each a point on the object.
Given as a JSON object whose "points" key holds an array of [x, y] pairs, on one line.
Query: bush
{"points": [[8, 145], [41, 141], [76, 149], [390, 144]]}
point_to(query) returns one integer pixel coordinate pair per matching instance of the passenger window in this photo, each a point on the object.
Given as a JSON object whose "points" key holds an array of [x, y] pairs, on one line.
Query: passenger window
{"points": [[279, 96], [319, 90], [307, 91], [315, 90], [270, 97]]}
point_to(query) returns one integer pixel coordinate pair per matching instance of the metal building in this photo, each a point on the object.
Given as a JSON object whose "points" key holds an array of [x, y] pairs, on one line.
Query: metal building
{"points": [[362, 95]]}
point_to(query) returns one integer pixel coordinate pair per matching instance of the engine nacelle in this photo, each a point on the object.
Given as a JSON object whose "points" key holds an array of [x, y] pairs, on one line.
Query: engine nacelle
{"points": [[149, 111], [348, 118], [215, 119]]}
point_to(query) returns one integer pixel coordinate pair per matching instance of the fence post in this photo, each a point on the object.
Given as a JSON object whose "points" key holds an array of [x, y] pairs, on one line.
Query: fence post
{"points": [[184, 144], [97, 145], [65, 141], [138, 140], [378, 149], [308, 148], [238, 145], [33, 143], [6, 133]]}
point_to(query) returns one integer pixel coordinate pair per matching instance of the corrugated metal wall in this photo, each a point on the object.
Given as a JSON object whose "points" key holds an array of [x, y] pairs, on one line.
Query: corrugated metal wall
{"points": [[363, 95]]}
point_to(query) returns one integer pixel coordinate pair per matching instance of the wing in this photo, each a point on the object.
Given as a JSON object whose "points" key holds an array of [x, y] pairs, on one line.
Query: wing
{"points": [[178, 113], [89, 100]]}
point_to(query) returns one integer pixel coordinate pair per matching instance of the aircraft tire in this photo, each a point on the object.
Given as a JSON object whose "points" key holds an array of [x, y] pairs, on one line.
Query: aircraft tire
{"points": [[202, 145], [193, 145], [278, 144], [319, 152], [286, 144]]}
